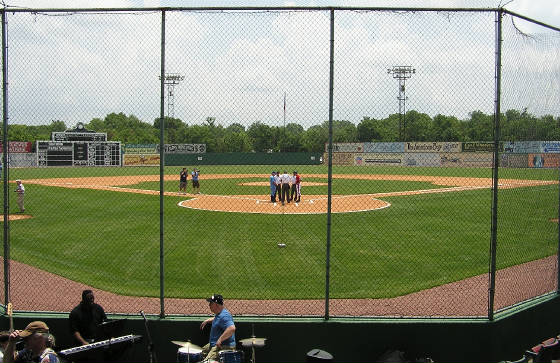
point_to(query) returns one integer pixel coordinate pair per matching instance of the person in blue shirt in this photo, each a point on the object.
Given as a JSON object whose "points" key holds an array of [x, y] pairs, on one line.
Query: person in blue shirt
{"points": [[222, 333], [273, 187], [195, 183]]}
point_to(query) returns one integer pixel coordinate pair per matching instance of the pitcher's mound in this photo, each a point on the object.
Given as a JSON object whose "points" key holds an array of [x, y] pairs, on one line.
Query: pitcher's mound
{"points": [[310, 204]]}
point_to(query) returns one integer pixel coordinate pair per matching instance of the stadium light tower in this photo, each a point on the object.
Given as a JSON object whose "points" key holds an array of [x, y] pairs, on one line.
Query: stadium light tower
{"points": [[402, 73], [171, 80]]}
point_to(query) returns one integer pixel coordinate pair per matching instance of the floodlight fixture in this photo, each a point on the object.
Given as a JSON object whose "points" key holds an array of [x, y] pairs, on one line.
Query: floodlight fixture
{"points": [[402, 73], [171, 80]]}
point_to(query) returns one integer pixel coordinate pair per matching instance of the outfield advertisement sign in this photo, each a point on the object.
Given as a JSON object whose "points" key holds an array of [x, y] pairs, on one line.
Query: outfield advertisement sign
{"points": [[184, 148], [340, 158], [141, 149], [140, 159], [21, 160], [435, 147], [394, 159], [532, 147], [468, 160], [167, 148], [17, 147], [544, 160], [481, 146], [383, 147], [422, 159], [346, 147], [513, 160]]}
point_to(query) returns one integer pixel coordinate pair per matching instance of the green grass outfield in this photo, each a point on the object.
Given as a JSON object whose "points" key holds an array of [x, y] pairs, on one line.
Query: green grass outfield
{"points": [[111, 240]]}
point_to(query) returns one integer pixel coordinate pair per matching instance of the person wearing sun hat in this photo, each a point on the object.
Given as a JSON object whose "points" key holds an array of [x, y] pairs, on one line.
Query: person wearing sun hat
{"points": [[222, 333], [36, 336]]}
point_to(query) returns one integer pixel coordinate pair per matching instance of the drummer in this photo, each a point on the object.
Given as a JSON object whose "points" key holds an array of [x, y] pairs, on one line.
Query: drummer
{"points": [[222, 333]]}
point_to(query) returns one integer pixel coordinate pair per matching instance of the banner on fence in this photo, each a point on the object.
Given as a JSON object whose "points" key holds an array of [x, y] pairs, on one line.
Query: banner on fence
{"points": [[513, 160], [422, 159], [141, 149], [544, 160], [481, 146], [383, 147], [340, 158], [468, 160], [345, 147], [447, 147], [21, 160], [140, 159], [550, 147], [378, 159], [184, 148], [17, 147]]}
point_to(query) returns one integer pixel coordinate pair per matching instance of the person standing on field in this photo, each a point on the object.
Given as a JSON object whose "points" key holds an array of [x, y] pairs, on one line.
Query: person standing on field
{"points": [[272, 187], [285, 180], [183, 180], [296, 187], [195, 184], [278, 191], [20, 190]]}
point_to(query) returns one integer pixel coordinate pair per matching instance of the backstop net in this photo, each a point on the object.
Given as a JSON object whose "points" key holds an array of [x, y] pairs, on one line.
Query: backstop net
{"points": [[300, 162]]}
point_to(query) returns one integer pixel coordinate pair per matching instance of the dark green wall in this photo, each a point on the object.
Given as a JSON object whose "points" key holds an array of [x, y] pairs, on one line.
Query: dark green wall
{"points": [[243, 159], [350, 340]]}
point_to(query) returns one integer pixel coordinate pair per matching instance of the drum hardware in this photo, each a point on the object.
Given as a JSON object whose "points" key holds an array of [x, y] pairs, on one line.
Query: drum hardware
{"points": [[253, 342], [186, 344], [230, 356], [188, 352]]}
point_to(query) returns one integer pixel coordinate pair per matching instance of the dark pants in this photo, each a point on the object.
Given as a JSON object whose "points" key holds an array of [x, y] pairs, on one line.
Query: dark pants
{"points": [[278, 192], [285, 193]]}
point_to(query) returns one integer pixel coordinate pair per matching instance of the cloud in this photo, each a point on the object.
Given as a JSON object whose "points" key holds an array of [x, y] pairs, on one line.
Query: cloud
{"points": [[238, 65]]}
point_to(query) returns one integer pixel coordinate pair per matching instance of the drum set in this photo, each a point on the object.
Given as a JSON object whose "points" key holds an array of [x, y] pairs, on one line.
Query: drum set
{"points": [[191, 353]]}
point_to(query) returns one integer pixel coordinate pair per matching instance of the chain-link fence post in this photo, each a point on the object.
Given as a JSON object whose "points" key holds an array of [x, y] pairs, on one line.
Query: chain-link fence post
{"points": [[329, 192], [493, 237], [161, 169], [4, 160]]}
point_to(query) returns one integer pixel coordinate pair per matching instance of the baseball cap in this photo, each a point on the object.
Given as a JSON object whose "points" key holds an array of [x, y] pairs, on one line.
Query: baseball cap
{"points": [[34, 327], [216, 298]]}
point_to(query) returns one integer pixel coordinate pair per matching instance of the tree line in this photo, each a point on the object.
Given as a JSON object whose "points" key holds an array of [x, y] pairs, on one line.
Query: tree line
{"points": [[260, 137]]}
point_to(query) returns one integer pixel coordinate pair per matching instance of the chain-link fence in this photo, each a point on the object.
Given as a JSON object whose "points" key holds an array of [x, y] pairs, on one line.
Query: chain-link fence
{"points": [[407, 197]]}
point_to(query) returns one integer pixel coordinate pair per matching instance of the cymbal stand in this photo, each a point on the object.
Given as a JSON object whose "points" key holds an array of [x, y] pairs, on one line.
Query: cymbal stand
{"points": [[253, 343]]}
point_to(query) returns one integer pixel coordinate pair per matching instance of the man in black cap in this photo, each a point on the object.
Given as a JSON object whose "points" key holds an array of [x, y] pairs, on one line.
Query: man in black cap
{"points": [[222, 333], [85, 318], [37, 345]]}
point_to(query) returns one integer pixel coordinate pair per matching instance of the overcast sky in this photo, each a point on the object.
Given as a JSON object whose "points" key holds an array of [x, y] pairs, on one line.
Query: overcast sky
{"points": [[237, 68]]}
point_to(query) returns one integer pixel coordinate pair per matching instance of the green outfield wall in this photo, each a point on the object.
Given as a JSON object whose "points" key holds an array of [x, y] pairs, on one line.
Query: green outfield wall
{"points": [[243, 159]]}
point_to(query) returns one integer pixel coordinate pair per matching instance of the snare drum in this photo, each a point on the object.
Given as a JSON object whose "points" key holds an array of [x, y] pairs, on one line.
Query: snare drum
{"points": [[230, 356], [189, 355]]}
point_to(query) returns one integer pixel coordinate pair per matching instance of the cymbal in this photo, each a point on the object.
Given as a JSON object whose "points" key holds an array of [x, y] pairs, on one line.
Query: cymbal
{"points": [[186, 344], [252, 342]]}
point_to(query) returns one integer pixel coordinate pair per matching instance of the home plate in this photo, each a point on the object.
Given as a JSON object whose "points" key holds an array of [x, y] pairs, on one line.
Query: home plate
{"points": [[257, 202]]}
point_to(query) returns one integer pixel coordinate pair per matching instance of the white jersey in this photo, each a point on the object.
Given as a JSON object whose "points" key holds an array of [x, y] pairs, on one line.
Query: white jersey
{"points": [[285, 178]]}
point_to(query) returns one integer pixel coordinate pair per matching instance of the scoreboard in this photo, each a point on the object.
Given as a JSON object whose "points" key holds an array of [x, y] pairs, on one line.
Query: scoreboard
{"points": [[78, 153]]}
